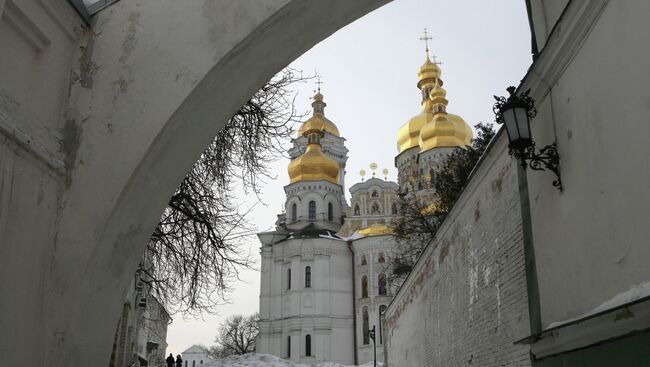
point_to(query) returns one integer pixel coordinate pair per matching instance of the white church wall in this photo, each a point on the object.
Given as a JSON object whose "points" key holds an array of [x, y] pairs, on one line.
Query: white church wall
{"points": [[323, 310]]}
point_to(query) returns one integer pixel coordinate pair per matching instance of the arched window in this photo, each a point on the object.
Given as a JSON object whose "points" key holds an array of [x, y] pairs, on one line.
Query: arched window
{"points": [[394, 209], [366, 327], [382, 284], [364, 286], [288, 278], [330, 211], [308, 345], [308, 277], [374, 194], [312, 210], [364, 260], [375, 208], [193, 363], [381, 259], [294, 212], [382, 309], [201, 362], [357, 211]]}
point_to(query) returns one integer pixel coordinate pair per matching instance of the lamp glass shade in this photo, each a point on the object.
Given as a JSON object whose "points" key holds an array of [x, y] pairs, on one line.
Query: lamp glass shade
{"points": [[511, 124], [522, 123]]}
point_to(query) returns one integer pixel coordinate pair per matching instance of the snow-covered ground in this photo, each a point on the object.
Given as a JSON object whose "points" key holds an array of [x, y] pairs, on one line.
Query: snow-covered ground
{"points": [[266, 360]]}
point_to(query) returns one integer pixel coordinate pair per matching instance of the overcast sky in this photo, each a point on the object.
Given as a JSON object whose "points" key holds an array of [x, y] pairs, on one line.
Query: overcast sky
{"points": [[369, 73]]}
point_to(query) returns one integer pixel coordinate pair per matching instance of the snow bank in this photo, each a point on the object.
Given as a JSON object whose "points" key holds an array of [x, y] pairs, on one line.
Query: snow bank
{"points": [[266, 360]]}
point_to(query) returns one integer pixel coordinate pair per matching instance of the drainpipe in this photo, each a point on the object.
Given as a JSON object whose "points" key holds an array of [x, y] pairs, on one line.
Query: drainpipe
{"points": [[354, 304], [530, 268]]}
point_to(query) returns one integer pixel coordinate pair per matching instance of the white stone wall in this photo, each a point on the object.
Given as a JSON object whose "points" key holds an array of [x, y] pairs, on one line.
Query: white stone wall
{"points": [[465, 302], [323, 310], [590, 84]]}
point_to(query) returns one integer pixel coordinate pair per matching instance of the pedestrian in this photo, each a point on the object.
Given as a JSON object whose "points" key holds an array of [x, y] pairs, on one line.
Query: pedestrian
{"points": [[170, 360], [179, 361]]}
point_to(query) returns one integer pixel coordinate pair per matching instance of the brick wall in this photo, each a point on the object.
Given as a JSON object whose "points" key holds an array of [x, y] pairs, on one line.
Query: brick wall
{"points": [[465, 302]]}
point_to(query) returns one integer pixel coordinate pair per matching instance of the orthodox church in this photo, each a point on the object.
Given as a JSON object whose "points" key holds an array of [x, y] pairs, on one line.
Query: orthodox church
{"points": [[324, 268]]}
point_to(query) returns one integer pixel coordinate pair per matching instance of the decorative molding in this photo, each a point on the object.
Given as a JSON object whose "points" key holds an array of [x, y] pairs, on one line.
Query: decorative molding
{"points": [[564, 42], [30, 135]]}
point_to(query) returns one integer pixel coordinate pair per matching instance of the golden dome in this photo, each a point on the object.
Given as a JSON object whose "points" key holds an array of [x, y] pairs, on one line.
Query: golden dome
{"points": [[313, 165], [376, 230], [318, 121], [408, 135]]}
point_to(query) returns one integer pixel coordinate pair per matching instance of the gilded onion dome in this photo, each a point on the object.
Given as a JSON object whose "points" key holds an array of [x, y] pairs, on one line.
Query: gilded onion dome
{"points": [[444, 129], [408, 135], [318, 121], [313, 164]]}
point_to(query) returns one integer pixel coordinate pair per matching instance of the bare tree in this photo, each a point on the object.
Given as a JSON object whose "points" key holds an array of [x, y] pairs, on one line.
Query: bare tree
{"points": [[195, 252], [236, 335]]}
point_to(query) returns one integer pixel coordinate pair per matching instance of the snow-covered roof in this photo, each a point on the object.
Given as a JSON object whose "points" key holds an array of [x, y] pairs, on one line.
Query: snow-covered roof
{"points": [[195, 349]]}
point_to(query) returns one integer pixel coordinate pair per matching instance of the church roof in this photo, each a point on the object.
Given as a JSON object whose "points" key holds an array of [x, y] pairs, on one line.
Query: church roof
{"points": [[311, 231], [195, 349]]}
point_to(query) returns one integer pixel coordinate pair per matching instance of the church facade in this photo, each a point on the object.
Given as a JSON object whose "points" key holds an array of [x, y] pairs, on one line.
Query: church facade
{"points": [[324, 268]]}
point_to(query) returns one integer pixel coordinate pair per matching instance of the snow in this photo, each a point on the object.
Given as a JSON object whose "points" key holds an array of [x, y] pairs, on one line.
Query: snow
{"points": [[636, 292], [354, 236], [266, 360]]}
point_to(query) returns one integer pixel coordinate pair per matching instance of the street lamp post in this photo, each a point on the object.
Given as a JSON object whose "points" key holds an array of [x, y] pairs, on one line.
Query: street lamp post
{"points": [[515, 113], [371, 333]]}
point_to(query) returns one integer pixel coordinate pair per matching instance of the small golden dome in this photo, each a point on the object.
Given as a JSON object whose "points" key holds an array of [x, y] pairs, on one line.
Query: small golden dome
{"points": [[313, 165], [429, 72], [318, 121], [376, 230], [445, 130]]}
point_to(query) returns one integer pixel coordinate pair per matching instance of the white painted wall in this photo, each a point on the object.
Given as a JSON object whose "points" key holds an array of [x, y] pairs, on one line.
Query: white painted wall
{"points": [[97, 128]]}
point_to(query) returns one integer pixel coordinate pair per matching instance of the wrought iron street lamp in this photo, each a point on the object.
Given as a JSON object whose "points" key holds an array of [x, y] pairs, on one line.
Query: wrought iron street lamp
{"points": [[515, 112]]}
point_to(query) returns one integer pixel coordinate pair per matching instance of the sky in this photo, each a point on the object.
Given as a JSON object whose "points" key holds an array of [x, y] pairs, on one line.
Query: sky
{"points": [[369, 79]]}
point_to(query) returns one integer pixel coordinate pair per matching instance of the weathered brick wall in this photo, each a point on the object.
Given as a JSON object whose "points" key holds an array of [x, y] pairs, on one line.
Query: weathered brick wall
{"points": [[465, 302]]}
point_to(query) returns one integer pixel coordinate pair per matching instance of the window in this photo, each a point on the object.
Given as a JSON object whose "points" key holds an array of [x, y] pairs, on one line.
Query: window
{"points": [[294, 212], [382, 309], [193, 363], [364, 286], [308, 345], [382, 285], [308, 277], [394, 209], [374, 194], [366, 327], [312, 210], [356, 209], [288, 346], [381, 259], [288, 278], [364, 260], [375, 208], [330, 211]]}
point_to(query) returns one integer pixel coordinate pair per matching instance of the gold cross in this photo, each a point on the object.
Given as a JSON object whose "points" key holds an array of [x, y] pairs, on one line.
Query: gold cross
{"points": [[426, 38], [319, 82], [436, 61]]}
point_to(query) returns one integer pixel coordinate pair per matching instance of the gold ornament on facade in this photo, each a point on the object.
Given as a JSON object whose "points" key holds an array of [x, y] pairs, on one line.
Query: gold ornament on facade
{"points": [[385, 173], [376, 230], [362, 173], [373, 167]]}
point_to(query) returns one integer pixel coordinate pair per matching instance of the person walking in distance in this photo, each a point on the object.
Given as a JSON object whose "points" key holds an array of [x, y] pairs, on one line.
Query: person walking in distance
{"points": [[179, 361], [170, 360]]}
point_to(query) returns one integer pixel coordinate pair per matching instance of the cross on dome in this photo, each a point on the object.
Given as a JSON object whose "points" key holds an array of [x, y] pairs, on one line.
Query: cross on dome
{"points": [[426, 38]]}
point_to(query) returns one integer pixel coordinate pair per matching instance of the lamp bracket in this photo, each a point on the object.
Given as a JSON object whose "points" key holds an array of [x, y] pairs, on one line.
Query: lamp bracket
{"points": [[546, 159]]}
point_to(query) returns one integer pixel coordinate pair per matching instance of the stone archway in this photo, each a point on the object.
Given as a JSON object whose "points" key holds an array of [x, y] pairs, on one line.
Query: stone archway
{"points": [[152, 85]]}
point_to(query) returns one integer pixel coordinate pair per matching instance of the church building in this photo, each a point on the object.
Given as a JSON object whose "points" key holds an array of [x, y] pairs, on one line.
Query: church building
{"points": [[324, 268]]}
